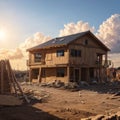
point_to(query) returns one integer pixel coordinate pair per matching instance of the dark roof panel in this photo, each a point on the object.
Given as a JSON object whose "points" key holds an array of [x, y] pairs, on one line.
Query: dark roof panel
{"points": [[64, 41], [59, 41]]}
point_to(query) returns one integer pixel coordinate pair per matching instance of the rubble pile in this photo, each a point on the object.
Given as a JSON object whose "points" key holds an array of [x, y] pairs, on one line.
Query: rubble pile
{"points": [[110, 116], [55, 84], [33, 95]]}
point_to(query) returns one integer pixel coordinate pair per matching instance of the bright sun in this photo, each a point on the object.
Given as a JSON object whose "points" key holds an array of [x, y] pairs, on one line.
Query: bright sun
{"points": [[2, 34]]}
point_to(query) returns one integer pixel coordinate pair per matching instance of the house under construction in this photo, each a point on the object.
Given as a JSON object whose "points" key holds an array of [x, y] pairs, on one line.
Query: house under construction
{"points": [[73, 58]]}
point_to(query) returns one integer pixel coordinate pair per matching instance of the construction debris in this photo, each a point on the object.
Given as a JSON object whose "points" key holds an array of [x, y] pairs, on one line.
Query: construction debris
{"points": [[36, 95], [115, 116]]}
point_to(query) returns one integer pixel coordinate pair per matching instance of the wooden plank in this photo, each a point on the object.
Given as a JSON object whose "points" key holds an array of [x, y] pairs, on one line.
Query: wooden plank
{"points": [[39, 76], [16, 84], [68, 74], [10, 75]]}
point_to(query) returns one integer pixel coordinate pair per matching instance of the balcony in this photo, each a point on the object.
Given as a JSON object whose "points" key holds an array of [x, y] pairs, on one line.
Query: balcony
{"points": [[28, 62], [103, 63]]}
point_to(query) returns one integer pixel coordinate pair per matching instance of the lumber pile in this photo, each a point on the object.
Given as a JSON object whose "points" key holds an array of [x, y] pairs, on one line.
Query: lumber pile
{"points": [[5, 86], [8, 81]]}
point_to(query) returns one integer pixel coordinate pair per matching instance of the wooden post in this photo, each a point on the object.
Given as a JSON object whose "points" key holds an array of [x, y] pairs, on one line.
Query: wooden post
{"points": [[39, 76], [88, 75], [74, 74], [68, 73], [106, 58], [100, 69], [106, 63], [79, 75], [30, 75]]}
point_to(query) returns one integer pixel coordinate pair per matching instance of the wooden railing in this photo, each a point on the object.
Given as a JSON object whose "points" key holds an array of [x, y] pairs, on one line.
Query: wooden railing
{"points": [[28, 63], [104, 63]]}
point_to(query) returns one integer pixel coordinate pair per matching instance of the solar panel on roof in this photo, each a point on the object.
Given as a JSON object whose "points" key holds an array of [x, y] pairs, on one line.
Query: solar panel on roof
{"points": [[61, 39]]}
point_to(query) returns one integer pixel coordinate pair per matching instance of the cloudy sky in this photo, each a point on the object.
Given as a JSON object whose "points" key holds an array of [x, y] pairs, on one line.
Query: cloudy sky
{"points": [[26, 23]]}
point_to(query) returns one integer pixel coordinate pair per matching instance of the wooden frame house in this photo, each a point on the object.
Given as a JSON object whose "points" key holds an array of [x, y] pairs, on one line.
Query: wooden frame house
{"points": [[73, 58]]}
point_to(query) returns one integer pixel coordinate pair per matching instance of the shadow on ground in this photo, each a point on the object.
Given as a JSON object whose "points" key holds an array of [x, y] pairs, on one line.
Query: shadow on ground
{"points": [[24, 112]]}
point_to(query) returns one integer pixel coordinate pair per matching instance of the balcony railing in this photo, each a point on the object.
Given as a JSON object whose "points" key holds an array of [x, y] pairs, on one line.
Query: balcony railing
{"points": [[28, 62], [104, 63]]}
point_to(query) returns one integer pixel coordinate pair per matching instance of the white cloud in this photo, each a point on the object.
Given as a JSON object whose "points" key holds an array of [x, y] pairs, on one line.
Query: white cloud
{"points": [[34, 40], [11, 54], [19, 55], [109, 33], [71, 28]]}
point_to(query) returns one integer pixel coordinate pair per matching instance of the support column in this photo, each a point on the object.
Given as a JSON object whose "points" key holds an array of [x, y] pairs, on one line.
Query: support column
{"points": [[39, 76], [106, 58], [88, 75], [74, 74], [68, 73], [79, 75], [30, 75], [100, 68], [106, 65]]}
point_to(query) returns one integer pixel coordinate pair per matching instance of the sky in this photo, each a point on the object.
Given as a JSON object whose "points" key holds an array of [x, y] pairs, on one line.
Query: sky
{"points": [[26, 23]]}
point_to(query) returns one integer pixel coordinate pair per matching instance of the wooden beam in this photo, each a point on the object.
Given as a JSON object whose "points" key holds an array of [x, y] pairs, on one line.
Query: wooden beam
{"points": [[10, 76], [79, 75], [39, 76], [68, 73], [15, 82]]}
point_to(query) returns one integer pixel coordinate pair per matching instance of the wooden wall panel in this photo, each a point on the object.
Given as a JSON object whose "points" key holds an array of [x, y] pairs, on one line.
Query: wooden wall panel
{"points": [[50, 57], [88, 52], [50, 76]]}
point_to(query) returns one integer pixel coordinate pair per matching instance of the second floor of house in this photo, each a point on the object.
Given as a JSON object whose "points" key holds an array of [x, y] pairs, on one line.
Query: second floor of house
{"points": [[84, 51]]}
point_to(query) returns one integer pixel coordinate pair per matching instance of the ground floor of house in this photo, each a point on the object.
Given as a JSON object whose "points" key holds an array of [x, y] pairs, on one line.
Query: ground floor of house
{"points": [[67, 74]]}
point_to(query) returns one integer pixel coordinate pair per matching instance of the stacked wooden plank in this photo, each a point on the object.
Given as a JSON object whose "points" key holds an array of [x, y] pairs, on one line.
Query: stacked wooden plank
{"points": [[5, 86], [8, 81]]}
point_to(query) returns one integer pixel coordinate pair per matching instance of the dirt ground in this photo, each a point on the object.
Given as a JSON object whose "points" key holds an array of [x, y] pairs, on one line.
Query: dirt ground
{"points": [[63, 104]]}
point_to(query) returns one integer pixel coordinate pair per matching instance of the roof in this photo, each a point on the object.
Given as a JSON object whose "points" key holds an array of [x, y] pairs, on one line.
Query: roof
{"points": [[65, 40]]}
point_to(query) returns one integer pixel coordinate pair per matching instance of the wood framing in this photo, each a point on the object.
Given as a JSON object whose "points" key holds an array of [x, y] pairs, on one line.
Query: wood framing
{"points": [[72, 58]]}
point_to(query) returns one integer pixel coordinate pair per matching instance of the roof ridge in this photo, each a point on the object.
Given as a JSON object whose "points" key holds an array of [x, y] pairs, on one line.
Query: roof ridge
{"points": [[74, 34]]}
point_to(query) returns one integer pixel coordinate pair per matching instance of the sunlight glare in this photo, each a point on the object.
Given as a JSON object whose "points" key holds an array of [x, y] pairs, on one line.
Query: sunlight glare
{"points": [[2, 35]]}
